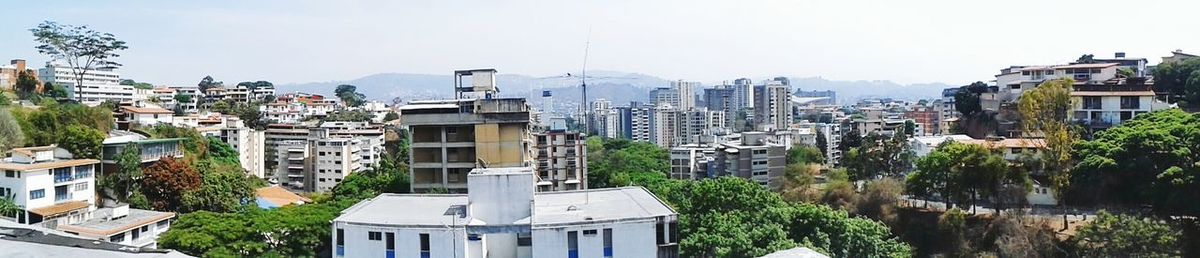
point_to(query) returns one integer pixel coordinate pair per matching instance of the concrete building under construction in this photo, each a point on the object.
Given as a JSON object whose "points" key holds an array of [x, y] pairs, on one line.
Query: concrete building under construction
{"points": [[474, 130]]}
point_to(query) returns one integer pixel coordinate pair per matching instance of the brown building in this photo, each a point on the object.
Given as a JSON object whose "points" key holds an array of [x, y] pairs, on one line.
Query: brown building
{"points": [[927, 118], [9, 74], [562, 161]]}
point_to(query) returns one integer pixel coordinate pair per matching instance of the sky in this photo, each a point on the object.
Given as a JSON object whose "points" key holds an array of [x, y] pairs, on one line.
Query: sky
{"points": [[953, 41]]}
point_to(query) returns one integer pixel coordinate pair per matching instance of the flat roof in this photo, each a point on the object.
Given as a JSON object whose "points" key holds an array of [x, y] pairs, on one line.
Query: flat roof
{"points": [[1112, 93], [5, 164], [550, 208], [100, 225], [606, 204], [1099, 65], [33, 241], [411, 210]]}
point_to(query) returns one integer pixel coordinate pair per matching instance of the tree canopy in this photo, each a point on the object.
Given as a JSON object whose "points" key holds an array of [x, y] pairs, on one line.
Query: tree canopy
{"points": [[962, 173], [1110, 235], [349, 95], [1181, 80], [79, 46]]}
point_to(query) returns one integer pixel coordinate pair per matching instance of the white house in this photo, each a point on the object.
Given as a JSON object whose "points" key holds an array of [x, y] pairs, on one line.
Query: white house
{"points": [[123, 225], [49, 184], [502, 216], [146, 115]]}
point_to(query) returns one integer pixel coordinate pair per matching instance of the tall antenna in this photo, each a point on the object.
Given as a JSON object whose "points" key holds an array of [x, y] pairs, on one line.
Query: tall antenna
{"points": [[587, 109]]}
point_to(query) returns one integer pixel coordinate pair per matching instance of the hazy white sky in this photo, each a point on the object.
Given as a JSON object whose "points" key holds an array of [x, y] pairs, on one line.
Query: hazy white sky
{"points": [[953, 41]]}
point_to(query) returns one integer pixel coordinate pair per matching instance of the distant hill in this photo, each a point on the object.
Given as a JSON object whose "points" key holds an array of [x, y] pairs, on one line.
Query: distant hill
{"points": [[618, 87]]}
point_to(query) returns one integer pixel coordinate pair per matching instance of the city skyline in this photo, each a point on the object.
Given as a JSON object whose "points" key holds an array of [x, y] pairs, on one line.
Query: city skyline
{"points": [[299, 42]]}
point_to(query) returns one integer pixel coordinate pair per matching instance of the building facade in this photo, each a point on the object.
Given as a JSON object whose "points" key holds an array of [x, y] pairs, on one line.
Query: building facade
{"points": [[99, 85], [451, 137], [561, 161], [756, 158], [502, 216], [52, 187]]}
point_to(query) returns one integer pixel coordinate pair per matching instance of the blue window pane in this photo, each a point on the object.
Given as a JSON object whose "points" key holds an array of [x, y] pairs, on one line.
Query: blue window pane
{"points": [[424, 254], [341, 251], [391, 254], [608, 252], [573, 254]]}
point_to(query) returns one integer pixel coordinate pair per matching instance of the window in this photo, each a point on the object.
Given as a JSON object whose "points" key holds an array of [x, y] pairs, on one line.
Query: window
{"points": [[659, 233], [374, 236], [37, 194], [83, 172], [589, 232], [117, 238], [572, 244], [162, 224], [82, 186], [424, 238], [524, 239], [1130, 102], [1090, 102], [608, 250], [1126, 115], [62, 175], [62, 193], [137, 234], [10, 173], [341, 242]]}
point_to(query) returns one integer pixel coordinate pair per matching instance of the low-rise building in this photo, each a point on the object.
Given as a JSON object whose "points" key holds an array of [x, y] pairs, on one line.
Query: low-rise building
{"points": [[50, 185], [503, 216], [99, 84], [692, 161], [146, 116], [451, 137], [123, 225], [33, 241], [1104, 106]]}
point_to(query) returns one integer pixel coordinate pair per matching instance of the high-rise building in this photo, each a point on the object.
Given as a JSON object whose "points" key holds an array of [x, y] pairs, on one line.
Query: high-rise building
{"points": [[687, 94], [250, 145], [833, 138], [663, 125], [641, 123], [697, 123], [452, 137], [561, 161], [743, 94], [665, 96], [99, 84], [503, 216], [773, 105]]}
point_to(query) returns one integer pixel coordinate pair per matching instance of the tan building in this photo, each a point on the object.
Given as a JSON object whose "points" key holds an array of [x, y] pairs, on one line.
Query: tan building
{"points": [[452, 137], [10, 72], [562, 161]]}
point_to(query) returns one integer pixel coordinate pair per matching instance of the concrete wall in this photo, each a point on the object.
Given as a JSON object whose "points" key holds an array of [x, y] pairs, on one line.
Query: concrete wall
{"points": [[442, 242], [632, 239]]}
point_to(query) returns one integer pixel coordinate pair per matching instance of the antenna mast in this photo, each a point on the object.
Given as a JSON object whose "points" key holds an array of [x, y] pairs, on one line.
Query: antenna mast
{"points": [[587, 109]]}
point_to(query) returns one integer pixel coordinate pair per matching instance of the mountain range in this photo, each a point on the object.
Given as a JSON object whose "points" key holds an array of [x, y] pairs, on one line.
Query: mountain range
{"points": [[618, 87]]}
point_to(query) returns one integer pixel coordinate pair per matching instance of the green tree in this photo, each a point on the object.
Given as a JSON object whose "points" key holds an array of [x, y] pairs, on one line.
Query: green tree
{"points": [[963, 174], [1181, 80], [136, 84], [1044, 112], [27, 84], [1112, 235], [1149, 161], [81, 48], [823, 145], [11, 135], [800, 154], [966, 100], [8, 207], [223, 187], [208, 82], [384, 177], [121, 184], [879, 156], [82, 141], [349, 95], [391, 115]]}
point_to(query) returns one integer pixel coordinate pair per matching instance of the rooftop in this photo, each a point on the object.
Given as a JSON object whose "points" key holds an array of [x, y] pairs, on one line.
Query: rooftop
{"points": [[100, 224], [550, 208], [1009, 143], [32, 241]]}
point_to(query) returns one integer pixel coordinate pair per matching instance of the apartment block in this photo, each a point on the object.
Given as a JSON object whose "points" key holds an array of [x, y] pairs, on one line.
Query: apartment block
{"points": [[99, 85], [561, 161], [692, 161], [451, 137], [250, 145], [665, 96], [50, 184], [664, 122], [333, 158], [757, 157], [503, 216], [773, 105], [696, 123], [687, 94]]}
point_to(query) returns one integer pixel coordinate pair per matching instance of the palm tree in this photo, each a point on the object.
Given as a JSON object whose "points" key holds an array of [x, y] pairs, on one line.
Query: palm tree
{"points": [[8, 208]]}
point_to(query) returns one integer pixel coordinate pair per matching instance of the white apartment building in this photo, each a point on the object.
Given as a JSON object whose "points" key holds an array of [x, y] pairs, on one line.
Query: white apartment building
{"points": [[52, 187], [696, 123], [743, 94], [250, 145], [334, 159], [641, 123], [1104, 106], [123, 225], [370, 138], [99, 84], [833, 138], [773, 105], [691, 161], [193, 93], [561, 161], [502, 216], [663, 126], [685, 91]]}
